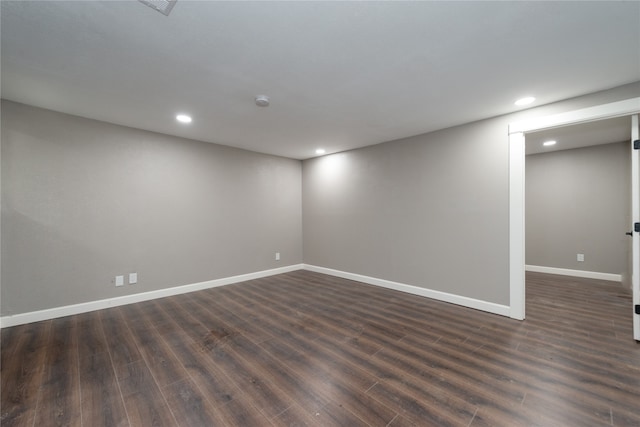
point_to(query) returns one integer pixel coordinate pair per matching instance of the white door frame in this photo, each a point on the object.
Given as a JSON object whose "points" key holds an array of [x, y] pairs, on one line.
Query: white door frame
{"points": [[635, 218], [517, 131]]}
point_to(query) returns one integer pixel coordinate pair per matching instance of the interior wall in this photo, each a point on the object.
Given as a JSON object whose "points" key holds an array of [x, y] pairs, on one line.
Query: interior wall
{"points": [[577, 201], [84, 201], [430, 211], [413, 211]]}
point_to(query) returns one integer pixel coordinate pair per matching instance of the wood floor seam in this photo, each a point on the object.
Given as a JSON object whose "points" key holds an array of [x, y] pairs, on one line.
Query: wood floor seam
{"points": [[308, 349]]}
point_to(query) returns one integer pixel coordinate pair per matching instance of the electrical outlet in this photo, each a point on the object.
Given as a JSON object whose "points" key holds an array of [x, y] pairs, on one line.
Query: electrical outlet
{"points": [[133, 278], [277, 256], [581, 257], [119, 280]]}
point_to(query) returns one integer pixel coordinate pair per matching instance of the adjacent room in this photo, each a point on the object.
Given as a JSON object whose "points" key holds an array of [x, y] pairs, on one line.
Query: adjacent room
{"points": [[319, 213]]}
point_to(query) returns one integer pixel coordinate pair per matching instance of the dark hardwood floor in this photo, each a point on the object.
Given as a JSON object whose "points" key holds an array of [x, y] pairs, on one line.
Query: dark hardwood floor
{"points": [[308, 349]]}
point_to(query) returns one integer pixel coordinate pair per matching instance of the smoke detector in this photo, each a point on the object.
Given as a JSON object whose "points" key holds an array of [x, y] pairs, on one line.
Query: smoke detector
{"points": [[162, 6], [262, 101]]}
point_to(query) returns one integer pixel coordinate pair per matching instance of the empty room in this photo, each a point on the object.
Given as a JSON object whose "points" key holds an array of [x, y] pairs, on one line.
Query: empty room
{"points": [[320, 213]]}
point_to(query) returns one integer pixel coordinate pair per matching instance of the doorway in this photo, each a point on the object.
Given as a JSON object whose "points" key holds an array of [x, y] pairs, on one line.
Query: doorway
{"points": [[578, 182], [517, 186]]}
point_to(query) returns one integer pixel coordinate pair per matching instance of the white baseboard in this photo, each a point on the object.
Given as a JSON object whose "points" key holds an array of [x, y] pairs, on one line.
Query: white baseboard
{"points": [[490, 307], [53, 313], [574, 273]]}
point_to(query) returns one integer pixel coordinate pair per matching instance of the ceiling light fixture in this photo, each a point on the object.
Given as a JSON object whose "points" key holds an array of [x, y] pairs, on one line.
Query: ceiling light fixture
{"points": [[183, 118], [262, 101], [525, 101], [320, 151], [549, 143]]}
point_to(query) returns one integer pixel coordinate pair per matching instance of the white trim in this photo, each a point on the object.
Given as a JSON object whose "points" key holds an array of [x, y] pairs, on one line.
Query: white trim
{"points": [[516, 224], [516, 190], [490, 307], [591, 114], [53, 313], [575, 273]]}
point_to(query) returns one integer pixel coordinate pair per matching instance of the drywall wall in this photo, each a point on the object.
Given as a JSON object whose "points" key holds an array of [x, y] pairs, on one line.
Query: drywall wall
{"points": [[431, 211], [412, 212], [578, 201], [84, 201]]}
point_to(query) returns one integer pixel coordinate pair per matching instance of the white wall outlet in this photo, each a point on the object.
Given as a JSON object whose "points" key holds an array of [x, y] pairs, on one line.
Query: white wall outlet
{"points": [[133, 278], [277, 256], [581, 257], [119, 280]]}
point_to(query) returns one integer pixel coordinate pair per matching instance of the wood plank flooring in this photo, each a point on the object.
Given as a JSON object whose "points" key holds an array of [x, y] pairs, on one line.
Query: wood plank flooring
{"points": [[305, 349]]}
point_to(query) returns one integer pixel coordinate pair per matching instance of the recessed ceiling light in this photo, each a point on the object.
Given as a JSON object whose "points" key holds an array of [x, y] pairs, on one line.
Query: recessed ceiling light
{"points": [[525, 101], [262, 101], [320, 151], [183, 118], [549, 143]]}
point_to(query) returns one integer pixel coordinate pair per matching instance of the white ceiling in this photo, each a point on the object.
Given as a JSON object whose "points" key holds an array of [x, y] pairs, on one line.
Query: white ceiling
{"points": [[340, 75]]}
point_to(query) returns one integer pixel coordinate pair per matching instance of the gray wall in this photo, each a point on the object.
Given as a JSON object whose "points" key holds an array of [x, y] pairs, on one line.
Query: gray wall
{"points": [[578, 201], [430, 211], [413, 211], [84, 201]]}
